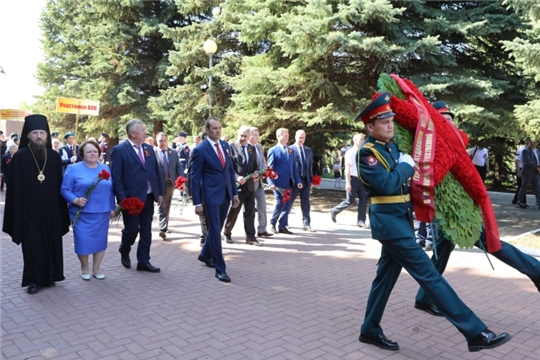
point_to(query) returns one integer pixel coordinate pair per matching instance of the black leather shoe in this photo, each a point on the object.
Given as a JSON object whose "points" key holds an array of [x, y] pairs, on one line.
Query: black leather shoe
{"points": [[333, 215], [285, 231], [537, 283], [148, 267], [487, 339], [264, 234], [228, 239], [428, 307], [254, 242], [125, 261], [273, 229], [222, 276], [208, 262], [32, 289], [379, 340]]}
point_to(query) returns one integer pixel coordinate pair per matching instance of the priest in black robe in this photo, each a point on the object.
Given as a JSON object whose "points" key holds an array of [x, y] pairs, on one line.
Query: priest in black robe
{"points": [[36, 215]]}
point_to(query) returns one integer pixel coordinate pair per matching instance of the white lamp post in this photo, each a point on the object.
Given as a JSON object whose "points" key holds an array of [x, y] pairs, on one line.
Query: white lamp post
{"points": [[210, 48]]}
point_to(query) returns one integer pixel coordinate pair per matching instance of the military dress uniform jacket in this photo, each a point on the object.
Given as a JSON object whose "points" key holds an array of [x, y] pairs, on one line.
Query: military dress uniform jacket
{"points": [[390, 213]]}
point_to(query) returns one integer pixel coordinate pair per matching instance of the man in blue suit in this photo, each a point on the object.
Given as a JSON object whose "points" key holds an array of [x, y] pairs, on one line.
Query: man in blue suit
{"points": [[281, 159], [135, 173], [212, 185], [170, 169], [304, 167]]}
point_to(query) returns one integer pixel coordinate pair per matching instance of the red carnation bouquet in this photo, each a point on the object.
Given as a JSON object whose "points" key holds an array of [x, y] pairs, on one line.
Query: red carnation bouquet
{"points": [[316, 181], [286, 193], [181, 184], [266, 173], [103, 175], [133, 206]]}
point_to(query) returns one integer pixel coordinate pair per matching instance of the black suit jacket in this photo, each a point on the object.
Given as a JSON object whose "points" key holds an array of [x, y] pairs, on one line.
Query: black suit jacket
{"points": [[242, 167], [529, 161], [309, 161]]}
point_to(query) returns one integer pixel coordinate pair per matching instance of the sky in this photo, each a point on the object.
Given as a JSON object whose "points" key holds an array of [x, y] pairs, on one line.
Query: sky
{"points": [[20, 51]]}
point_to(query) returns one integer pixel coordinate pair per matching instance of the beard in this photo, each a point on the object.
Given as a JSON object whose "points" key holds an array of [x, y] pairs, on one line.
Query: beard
{"points": [[39, 148]]}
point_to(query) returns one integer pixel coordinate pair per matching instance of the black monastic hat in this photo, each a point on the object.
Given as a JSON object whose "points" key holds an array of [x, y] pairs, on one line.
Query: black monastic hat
{"points": [[31, 123]]}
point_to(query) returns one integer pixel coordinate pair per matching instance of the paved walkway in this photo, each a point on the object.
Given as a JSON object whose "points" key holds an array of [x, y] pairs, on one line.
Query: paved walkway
{"points": [[297, 297]]}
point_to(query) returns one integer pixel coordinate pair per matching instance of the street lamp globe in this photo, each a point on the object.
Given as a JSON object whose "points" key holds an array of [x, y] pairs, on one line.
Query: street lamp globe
{"points": [[210, 47]]}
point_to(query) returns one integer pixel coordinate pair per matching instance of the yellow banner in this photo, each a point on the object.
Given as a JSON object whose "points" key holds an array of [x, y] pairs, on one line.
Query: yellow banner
{"points": [[77, 106], [14, 114]]}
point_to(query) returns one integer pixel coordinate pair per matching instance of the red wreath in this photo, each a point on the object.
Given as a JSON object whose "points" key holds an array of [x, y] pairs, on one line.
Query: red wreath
{"points": [[451, 156]]}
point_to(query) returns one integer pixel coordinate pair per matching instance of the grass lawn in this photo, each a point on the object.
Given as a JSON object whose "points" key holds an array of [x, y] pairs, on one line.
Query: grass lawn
{"points": [[531, 241]]}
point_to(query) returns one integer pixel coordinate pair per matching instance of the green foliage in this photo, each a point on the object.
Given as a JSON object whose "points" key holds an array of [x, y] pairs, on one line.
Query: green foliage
{"points": [[308, 65], [456, 214], [109, 51]]}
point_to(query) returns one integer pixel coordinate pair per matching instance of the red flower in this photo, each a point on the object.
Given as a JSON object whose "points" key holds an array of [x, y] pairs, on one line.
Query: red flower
{"points": [[316, 181], [180, 183], [286, 195], [104, 174], [270, 173]]}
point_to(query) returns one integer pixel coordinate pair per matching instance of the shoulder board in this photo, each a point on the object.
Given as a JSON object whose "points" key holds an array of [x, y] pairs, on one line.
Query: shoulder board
{"points": [[368, 145]]}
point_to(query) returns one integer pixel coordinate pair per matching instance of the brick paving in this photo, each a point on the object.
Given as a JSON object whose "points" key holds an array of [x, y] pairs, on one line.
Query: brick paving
{"points": [[297, 297]]}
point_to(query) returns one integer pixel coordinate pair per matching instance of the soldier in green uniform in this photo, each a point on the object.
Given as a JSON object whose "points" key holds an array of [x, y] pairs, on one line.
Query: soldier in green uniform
{"points": [[385, 171]]}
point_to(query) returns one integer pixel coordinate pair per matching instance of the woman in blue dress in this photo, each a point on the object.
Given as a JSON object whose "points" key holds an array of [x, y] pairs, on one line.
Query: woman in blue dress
{"points": [[91, 230]]}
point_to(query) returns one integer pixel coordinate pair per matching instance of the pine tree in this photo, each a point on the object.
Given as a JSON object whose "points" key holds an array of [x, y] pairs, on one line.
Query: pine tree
{"points": [[111, 51], [525, 51]]}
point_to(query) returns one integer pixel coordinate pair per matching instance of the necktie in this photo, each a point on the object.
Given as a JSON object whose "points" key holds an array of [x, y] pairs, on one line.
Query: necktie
{"points": [[139, 151], [302, 156], [220, 155], [285, 149], [245, 153], [166, 165]]}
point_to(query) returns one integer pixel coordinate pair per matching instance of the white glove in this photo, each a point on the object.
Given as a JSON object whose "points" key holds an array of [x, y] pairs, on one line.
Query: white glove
{"points": [[73, 159], [406, 158]]}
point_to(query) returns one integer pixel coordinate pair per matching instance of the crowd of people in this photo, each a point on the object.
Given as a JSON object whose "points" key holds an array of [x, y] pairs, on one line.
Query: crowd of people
{"points": [[147, 170], [51, 186]]}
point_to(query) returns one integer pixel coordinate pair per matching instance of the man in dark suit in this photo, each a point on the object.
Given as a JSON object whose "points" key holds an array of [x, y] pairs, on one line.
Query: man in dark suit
{"points": [[385, 171], [135, 173], [281, 159], [530, 158], [212, 187], [170, 169], [260, 198], [244, 158], [304, 168]]}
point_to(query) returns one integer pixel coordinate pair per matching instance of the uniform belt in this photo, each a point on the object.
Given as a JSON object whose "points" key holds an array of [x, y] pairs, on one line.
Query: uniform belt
{"points": [[394, 199]]}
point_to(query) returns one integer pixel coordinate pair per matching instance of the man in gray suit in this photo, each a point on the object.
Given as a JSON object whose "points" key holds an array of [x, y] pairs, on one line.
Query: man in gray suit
{"points": [[260, 198], [530, 158], [244, 158], [169, 169]]}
